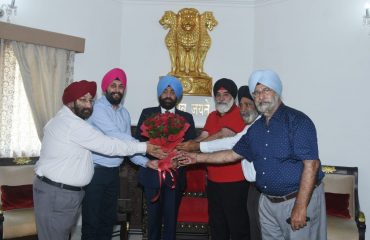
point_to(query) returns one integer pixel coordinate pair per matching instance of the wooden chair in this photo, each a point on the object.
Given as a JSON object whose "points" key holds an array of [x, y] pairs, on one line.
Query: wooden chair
{"points": [[192, 220], [344, 217]]}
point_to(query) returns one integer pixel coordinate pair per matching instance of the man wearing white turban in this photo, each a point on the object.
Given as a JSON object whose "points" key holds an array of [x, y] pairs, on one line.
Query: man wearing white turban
{"points": [[282, 145]]}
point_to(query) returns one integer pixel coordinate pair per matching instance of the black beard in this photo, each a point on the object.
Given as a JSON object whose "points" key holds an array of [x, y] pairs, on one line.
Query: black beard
{"points": [[111, 99], [83, 113], [167, 103]]}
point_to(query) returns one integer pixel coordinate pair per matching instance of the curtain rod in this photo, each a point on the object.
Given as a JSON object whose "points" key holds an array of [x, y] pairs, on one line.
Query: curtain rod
{"points": [[41, 37]]}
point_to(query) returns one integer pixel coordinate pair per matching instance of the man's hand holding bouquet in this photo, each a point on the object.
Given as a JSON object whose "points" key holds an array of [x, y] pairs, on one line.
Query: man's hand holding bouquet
{"points": [[165, 130]]}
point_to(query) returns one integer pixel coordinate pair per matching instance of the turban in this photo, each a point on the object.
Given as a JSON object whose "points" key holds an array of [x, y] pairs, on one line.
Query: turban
{"points": [[171, 81], [266, 77], [115, 73], [244, 92], [78, 89], [227, 84]]}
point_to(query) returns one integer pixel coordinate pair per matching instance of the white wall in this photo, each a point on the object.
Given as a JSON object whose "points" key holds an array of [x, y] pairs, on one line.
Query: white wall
{"points": [[319, 48], [322, 53], [145, 57]]}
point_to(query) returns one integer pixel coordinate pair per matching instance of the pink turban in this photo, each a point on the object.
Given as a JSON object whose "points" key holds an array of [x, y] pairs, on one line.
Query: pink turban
{"points": [[115, 73], [76, 90]]}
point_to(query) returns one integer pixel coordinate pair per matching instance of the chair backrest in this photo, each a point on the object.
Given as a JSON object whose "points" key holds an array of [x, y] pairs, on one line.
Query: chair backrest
{"points": [[342, 180], [196, 179], [16, 175]]}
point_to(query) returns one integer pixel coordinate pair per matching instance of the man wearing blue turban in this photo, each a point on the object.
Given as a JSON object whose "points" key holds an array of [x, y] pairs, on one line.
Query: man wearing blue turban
{"points": [[282, 145], [164, 210]]}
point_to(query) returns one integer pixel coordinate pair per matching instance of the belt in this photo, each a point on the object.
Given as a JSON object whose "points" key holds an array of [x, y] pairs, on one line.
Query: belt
{"points": [[274, 199], [59, 185], [101, 166]]}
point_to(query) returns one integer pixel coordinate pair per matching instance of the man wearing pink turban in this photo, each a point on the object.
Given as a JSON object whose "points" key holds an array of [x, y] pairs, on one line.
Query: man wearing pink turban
{"points": [[99, 207], [65, 166]]}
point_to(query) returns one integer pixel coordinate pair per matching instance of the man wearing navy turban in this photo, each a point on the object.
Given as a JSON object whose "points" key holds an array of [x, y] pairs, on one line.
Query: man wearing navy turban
{"points": [[164, 210]]}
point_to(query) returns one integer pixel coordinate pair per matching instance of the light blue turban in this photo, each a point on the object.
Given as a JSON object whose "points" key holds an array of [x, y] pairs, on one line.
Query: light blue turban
{"points": [[266, 77], [171, 81]]}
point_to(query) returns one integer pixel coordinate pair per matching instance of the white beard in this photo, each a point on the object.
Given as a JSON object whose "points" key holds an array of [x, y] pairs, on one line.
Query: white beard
{"points": [[224, 107]]}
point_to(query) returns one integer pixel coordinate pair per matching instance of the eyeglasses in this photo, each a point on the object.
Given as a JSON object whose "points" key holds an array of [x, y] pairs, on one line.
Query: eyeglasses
{"points": [[264, 91], [84, 101]]}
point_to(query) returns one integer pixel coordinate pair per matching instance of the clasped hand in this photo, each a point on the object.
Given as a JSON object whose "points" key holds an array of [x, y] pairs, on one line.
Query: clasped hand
{"points": [[184, 158]]}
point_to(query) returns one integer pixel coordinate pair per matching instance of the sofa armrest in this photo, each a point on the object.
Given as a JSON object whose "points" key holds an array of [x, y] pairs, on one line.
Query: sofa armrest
{"points": [[361, 224]]}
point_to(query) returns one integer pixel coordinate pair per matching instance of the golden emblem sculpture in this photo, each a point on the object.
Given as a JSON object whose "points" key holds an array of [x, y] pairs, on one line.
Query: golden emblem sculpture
{"points": [[188, 42]]}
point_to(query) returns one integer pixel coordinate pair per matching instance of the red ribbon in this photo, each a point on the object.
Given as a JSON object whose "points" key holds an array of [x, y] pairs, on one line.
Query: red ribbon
{"points": [[166, 166]]}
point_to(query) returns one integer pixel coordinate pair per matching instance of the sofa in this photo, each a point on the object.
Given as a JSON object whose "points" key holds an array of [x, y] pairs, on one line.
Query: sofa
{"points": [[17, 218], [345, 219]]}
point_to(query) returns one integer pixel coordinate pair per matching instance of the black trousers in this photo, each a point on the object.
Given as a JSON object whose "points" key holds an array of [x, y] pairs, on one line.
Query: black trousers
{"points": [[99, 207], [228, 216], [252, 206], [163, 211]]}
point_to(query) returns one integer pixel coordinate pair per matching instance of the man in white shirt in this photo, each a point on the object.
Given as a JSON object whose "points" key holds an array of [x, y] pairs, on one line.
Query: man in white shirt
{"points": [[65, 165], [249, 114]]}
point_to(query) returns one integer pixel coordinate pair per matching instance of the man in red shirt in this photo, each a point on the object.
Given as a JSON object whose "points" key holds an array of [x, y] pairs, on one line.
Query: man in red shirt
{"points": [[227, 189]]}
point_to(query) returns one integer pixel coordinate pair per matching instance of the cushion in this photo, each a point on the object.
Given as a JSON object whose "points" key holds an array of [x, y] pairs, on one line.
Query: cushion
{"points": [[341, 229], [337, 204], [15, 197], [196, 178], [193, 209]]}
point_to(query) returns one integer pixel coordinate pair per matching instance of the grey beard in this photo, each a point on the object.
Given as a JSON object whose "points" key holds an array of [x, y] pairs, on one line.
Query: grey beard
{"points": [[224, 107], [264, 107], [249, 117]]}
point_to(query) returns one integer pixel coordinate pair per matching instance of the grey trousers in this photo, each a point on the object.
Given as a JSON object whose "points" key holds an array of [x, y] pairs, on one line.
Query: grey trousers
{"points": [[273, 218], [56, 210]]}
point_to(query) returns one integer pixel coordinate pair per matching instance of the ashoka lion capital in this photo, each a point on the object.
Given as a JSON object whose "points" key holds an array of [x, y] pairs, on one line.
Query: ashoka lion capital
{"points": [[188, 42]]}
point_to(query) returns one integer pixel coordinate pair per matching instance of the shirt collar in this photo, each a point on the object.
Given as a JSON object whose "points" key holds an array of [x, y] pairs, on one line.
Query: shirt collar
{"points": [[172, 110], [278, 114]]}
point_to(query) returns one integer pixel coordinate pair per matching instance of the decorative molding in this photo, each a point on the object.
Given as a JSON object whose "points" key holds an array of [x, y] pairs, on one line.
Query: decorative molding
{"points": [[18, 161], [225, 3], [329, 169]]}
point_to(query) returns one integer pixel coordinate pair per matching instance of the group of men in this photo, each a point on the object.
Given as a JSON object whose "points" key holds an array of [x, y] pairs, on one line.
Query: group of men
{"points": [[264, 175]]}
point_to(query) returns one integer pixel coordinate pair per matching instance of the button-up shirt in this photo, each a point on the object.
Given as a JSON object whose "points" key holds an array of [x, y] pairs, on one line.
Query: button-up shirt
{"points": [[66, 147], [278, 148], [228, 143], [113, 122]]}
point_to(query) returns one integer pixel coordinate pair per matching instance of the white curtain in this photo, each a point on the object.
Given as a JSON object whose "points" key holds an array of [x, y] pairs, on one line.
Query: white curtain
{"points": [[18, 135], [46, 71]]}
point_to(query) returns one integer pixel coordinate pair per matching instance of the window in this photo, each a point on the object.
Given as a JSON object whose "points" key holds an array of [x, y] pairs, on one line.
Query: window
{"points": [[18, 136]]}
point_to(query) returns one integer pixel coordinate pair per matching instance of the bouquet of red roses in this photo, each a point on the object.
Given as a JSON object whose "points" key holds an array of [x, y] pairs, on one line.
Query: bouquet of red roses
{"points": [[165, 130]]}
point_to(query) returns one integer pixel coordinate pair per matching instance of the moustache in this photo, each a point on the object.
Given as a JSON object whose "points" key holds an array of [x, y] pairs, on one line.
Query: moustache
{"points": [[86, 110], [116, 93]]}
